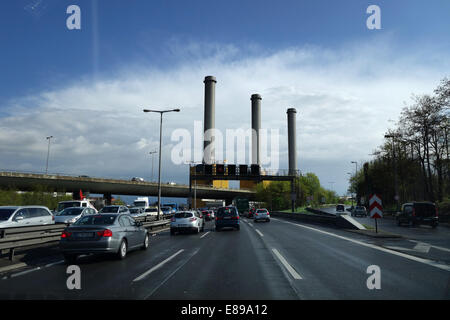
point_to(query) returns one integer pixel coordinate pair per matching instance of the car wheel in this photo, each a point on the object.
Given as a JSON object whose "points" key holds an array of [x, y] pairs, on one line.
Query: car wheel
{"points": [[70, 258], [146, 241], [122, 253], [203, 228], [268, 220], [238, 228], [217, 229]]}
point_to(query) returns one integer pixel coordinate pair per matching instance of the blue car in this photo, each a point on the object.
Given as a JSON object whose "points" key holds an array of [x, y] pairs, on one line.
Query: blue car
{"points": [[227, 217]]}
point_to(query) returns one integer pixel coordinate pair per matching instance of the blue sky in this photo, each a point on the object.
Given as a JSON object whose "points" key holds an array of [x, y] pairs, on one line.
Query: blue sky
{"points": [[302, 53]]}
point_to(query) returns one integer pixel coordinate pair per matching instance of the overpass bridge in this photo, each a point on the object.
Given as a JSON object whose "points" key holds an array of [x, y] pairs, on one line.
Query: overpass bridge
{"points": [[108, 187]]}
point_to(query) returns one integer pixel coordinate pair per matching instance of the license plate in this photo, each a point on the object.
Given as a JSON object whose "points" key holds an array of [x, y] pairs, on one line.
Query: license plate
{"points": [[182, 225], [84, 234], [227, 218]]}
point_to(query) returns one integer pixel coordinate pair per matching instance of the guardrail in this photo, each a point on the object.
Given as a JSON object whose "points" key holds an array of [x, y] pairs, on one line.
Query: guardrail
{"points": [[18, 237]]}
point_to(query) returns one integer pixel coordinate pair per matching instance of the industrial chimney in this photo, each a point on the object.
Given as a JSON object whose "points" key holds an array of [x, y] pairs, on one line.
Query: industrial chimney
{"points": [[256, 126], [209, 122], [292, 148]]}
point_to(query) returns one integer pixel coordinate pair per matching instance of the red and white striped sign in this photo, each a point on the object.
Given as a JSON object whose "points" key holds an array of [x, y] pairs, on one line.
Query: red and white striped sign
{"points": [[375, 207]]}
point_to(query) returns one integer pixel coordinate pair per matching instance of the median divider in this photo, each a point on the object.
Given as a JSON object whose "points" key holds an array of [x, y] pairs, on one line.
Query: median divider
{"points": [[19, 237], [321, 217]]}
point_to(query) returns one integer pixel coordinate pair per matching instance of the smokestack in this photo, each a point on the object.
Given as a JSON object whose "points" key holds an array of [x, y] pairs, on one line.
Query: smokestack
{"points": [[256, 126], [209, 123], [291, 140]]}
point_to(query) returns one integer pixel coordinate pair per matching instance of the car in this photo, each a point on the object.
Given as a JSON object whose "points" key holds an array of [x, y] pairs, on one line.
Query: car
{"points": [[261, 215], [25, 216], [115, 234], [114, 209], [185, 221], [137, 212], [138, 179], [359, 211], [153, 211], [166, 210], [416, 213], [207, 215], [72, 214], [340, 208], [227, 217], [212, 214]]}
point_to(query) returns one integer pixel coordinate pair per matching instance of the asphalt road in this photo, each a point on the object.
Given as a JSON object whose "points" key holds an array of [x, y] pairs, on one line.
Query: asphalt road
{"points": [[276, 260]]}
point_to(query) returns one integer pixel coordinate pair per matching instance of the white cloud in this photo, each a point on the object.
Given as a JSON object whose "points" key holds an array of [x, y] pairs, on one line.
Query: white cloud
{"points": [[343, 98]]}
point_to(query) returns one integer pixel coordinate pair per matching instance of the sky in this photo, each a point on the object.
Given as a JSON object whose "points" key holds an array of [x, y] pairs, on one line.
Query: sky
{"points": [[87, 87]]}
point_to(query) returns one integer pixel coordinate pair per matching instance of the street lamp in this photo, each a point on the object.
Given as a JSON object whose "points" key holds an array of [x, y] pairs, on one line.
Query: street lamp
{"points": [[387, 136], [48, 152], [152, 153], [161, 112]]}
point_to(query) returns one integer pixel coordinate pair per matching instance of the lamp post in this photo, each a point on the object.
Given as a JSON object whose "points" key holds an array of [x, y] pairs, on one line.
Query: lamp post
{"points": [[161, 112], [387, 136], [48, 152], [350, 179], [152, 153]]}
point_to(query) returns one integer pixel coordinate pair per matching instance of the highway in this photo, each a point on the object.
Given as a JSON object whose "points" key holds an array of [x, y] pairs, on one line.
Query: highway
{"points": [[263, 261]]}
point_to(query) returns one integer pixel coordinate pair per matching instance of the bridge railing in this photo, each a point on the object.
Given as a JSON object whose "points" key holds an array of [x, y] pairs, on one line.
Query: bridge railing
{"points": [[19, 237]]}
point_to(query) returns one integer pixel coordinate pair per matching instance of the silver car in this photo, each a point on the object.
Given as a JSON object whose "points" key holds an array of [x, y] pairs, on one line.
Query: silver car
{"points": [[137, 212], [107, 233], [114, 209], [25, 216], [70, 215], [261, 215], [184, 221]]}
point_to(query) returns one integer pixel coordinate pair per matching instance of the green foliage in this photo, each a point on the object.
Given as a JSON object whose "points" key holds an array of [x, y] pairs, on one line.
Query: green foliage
{"points": [[118, 202], [38, 196], [277, 195]]}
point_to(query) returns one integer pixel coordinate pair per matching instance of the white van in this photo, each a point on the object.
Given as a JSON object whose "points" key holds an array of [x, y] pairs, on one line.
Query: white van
{"points": [[74, 203]]}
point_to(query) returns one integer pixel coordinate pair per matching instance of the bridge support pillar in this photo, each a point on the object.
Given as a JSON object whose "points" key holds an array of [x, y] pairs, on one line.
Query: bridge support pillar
{"points": [[108, 198], [228, 202]]}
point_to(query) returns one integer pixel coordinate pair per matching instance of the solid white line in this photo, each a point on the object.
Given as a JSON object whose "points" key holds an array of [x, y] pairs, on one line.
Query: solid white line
{"points": [[204, 234], [250, 224], [291, 270], [159, 265], [54, 263], [259, 232], [400, 254], [24, 272]]}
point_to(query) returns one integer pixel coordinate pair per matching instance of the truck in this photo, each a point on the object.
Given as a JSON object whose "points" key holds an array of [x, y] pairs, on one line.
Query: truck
{"points": [[242, 205], [142, 202]]}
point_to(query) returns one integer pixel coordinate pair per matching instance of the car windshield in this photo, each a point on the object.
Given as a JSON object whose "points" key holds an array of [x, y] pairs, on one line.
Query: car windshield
{"points": [[64, 205], [140, 203], [151, 210], [70, 212], [109, 210], [226, 212], [261, 211], [134, 210], [96, 220], [181, 215], [5, 214]]}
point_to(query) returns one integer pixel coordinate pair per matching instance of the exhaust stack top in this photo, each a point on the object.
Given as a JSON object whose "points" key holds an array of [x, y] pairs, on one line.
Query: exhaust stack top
{"points": [[209, 120], [292, 147], [256, 126]]}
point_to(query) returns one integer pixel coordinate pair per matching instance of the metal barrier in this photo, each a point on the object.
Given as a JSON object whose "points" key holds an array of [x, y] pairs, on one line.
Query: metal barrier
{"points": [[18, 237]]}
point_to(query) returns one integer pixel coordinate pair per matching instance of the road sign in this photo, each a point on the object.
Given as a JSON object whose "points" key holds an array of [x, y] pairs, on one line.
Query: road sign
{"points": [[375, 206]]}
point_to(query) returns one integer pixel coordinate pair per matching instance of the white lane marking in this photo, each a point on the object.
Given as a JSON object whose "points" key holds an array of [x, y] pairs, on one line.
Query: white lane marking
{"points": [[53, 264], [400, 254], [259, 232], [159, 265], [430, 245], [422, 247], [204, 234], [24, 272], [291, 270], [251, 225], [170, 275]]}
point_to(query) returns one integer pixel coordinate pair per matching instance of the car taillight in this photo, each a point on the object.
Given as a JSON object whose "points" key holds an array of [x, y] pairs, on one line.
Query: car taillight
{"points": [[436, 211], [256, 214], [414, 212], [53, 218], [105, 233], [235, 218], [218, 218], [66, 234]]}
